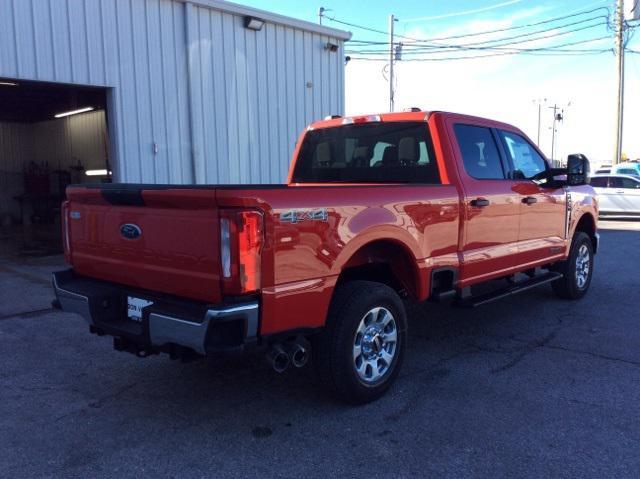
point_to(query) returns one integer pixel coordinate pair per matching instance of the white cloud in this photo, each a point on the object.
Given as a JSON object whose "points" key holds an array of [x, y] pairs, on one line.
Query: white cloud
{"points": [[467, 12]]}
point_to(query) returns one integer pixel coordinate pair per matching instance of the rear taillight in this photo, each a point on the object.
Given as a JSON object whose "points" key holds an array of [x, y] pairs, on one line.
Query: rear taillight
{"points": [[241, 238], [66, 240]]}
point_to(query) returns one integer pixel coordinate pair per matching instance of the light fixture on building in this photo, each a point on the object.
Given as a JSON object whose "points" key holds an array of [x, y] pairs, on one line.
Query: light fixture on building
{"points": [[332, 47], [253, 23], [97, 172], [74, 112], [8, 83]]}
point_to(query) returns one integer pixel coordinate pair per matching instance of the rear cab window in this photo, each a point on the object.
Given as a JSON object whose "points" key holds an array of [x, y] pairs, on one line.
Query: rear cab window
{"points": [[379, 152]]}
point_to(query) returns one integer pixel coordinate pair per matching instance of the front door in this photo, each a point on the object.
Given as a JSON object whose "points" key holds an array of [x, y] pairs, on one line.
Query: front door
{"points": [[542, 210]]}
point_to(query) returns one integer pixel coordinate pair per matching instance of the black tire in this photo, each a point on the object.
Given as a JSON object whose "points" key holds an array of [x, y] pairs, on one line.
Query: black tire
{"points": [[333, 349], [569, 287]]}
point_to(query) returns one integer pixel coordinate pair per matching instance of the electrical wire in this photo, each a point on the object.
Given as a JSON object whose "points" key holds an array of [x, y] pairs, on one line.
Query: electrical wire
{"points": [[560, 50], [497, 42], [427, 40], [503, 46], [517, 27], [473, 57]]}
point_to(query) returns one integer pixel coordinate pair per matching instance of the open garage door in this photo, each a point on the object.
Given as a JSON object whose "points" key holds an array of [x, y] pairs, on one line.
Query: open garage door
{"points": [[51, 135]]}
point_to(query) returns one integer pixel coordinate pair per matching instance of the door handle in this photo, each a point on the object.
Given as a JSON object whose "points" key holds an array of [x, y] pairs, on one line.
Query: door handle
{"points": [[529, 200], [480, 202]]}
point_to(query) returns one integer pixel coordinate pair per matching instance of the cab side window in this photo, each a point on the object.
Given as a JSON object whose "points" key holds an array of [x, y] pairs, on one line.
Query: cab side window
{"points": [[526, 161], [626, 183], [599, 182], [479, 152]]}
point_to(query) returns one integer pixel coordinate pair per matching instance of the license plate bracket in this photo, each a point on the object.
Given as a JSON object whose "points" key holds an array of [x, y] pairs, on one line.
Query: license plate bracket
{"points": [[135, 308]]}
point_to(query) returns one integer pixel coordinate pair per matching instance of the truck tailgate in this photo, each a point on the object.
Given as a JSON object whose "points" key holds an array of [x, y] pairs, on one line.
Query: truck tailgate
{"points": [[160, 239]]}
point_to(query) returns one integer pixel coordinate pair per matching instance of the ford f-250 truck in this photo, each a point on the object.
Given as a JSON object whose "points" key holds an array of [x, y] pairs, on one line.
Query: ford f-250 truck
{"points": [[377, 211]]}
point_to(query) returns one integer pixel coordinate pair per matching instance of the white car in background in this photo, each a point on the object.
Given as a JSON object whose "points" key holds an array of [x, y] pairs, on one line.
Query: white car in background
{"points": [[626, 168], [618, 195]]}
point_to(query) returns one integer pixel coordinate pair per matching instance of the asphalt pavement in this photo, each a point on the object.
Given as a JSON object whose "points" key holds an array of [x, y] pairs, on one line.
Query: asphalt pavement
{"points": [[532, 386]]}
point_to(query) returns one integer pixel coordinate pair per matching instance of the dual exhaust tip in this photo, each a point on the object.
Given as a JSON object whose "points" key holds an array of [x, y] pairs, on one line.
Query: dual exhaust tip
{"points": [[283, 355]]}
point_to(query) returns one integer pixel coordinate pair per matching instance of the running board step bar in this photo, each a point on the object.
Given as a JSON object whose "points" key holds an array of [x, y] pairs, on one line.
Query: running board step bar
{"points": [[519, 287]]}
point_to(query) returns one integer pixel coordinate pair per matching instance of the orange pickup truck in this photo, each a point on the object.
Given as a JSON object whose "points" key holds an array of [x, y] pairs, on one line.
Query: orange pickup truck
{"points": [[378, 211]]}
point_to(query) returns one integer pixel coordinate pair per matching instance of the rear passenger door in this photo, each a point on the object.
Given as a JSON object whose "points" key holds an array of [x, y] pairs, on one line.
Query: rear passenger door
{"points": [[489, 243], [542, 209]]}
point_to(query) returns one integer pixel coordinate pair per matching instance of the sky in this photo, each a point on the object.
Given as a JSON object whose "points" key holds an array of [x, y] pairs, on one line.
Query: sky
{"points": [[501, 87]]}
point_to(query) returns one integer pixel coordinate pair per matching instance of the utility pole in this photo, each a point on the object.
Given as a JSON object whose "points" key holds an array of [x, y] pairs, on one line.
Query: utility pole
{"points": [[553, 133], [620, 65], [539, 103], [539, 115], [556, 118], [392, 20], [321, 11]]}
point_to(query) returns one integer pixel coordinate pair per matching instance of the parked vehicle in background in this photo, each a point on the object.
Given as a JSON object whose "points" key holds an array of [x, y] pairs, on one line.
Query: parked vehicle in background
{"points": [[627, 168], [378, 211], [603, 169], [618, 195]]}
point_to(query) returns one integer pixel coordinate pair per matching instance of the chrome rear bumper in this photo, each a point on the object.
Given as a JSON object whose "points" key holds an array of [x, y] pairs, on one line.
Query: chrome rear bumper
{"points": [[200, 327]]}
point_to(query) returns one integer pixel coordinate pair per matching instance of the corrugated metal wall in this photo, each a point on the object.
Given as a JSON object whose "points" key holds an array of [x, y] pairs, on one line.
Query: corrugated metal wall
{"points": [[193, 95]]}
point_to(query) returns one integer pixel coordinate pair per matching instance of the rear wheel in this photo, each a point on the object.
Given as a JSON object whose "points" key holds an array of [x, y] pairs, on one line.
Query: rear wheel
{"points": [[359, 354], [577, 270]]}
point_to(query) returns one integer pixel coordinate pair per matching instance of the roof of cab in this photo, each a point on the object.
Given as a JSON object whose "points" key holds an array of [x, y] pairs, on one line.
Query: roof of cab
{"points": [[334, 121], [413, 115]]}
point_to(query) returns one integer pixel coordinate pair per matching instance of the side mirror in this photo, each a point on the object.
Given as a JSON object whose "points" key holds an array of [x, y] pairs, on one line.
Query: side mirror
{"points": [[578, 170]]}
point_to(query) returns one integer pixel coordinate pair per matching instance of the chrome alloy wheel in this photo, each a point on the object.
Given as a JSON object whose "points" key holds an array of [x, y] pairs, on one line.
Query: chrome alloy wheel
{"points": [[583, 265], [375, 345]]}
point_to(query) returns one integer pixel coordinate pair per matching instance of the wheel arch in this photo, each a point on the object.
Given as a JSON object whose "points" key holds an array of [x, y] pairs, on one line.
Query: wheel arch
{"points": [[386, 261], [587, 224]]}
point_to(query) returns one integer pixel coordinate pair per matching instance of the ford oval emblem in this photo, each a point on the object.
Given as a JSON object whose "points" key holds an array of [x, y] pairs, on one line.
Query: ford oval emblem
{"points": [[130, 231]]}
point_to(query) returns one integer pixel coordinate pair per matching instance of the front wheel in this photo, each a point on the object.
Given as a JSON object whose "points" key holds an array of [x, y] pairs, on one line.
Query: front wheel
{"points": [[577, 270], [360, 352]]}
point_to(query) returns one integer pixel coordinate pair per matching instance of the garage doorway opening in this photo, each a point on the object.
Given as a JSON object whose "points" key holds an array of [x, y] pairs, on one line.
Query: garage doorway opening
{"points": [[51, 135]]}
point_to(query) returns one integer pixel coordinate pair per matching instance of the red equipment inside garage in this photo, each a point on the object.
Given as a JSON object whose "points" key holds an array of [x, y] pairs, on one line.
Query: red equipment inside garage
{"points": [[51, 135]]}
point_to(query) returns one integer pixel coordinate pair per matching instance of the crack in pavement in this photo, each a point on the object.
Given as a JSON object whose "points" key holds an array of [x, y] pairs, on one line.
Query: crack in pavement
{"points": [[101, 401], [28, 314], [560, 348], [28, 276], [528, 349]]}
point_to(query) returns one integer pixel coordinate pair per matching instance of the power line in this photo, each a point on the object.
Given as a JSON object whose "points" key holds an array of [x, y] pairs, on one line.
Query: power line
{"points": [[524, 35], [451, 48], [559, 48], [473, 57], [501, 41], [518, 27], [427, 40], [542, 51]]}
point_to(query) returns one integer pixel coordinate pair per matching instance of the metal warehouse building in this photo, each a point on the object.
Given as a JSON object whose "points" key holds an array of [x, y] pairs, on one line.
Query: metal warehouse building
{"points": [[156, 91]]}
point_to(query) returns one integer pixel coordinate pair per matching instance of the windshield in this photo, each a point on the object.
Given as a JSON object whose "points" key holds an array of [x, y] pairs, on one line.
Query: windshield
{"points": [[389, 152]]}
